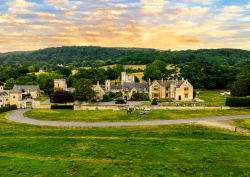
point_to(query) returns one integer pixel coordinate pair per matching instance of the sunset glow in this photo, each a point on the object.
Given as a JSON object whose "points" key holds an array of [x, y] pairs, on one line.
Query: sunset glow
{"points": [[160, 24]]}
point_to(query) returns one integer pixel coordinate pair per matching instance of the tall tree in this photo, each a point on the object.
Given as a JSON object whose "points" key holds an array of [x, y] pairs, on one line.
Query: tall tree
{"points": [[84, 90]]}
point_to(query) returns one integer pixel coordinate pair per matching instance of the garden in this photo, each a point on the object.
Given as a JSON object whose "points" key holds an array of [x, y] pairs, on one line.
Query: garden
{"points": [[166, 150]]}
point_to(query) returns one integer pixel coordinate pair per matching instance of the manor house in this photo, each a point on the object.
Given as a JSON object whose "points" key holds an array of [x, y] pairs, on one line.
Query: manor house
{"points": [[174, 89]]}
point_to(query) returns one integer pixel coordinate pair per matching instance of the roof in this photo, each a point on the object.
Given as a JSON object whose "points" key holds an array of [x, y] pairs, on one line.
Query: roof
{"points": [[3, 94], [24, 88], [116, 86], [130, 86], [166, 83]]}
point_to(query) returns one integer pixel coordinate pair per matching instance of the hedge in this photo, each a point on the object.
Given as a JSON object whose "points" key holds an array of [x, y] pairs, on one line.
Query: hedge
{"points": [[120, 102], [8, 108], [164, 100], [238, 101], [62, 107]]}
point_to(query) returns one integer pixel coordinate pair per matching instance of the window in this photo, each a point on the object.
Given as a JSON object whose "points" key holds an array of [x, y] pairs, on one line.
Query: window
{"points": [[156, 88], [134, 92], [167, 95], [126, 89], [139, 89], [1, 100], [156, 95], [7, 99], [186, 95], [145, 89], [186, 89], [98, 98], [98, 93], [14, 97]]}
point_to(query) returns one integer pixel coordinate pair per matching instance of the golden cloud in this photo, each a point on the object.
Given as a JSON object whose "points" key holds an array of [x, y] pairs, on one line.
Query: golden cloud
{"points": [[56, 2], [232, 9], [41, 27], [45, 15], [154, 2], [6, 17], [20, 4]]}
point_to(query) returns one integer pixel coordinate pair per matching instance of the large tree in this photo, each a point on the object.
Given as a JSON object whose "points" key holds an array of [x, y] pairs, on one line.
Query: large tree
{"points": [[61, 96], [46, 81], [84, 90]]}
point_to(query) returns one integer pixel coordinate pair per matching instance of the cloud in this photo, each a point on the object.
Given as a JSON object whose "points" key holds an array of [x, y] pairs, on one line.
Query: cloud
{"points": [[193, 11], [152, 9], [20, 4], [6, 17], [248, 6], [221, 33], [232, 9], [202, 1], [244, 18], [227, 16], [154, 2], [40, 27], [45, 15], [57, 2], [187, 23], [60, 23]]}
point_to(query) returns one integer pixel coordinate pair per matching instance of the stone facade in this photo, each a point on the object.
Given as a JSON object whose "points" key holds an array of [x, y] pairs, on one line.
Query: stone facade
{"points": [[61, 84], [14, 96], [175, 89]]}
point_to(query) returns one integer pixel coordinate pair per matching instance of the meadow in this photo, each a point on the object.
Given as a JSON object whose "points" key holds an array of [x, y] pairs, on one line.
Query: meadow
{"points": [[114, 116], [167, 150], [212, 98]]}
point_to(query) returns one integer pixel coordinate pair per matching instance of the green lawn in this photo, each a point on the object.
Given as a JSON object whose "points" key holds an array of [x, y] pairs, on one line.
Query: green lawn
{"points": [[113, 116], [212, 98], [242, 123], [167, 150], [93, 104], [42, 99]]}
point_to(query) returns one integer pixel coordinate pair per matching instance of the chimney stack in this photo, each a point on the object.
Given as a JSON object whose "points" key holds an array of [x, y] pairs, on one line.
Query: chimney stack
{"points": [[183, 78], [149, 81], [162, 80], [97, 82], [177, 79]]}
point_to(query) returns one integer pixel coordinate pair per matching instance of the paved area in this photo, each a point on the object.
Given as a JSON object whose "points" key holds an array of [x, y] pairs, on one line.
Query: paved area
{"points": [[17, 117], [112, 103]]}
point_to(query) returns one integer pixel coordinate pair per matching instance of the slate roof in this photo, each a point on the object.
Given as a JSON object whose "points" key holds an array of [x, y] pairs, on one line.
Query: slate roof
{"points": [[166, 83], [130, 86], [3, 94], [24, 88], [115, 86]]}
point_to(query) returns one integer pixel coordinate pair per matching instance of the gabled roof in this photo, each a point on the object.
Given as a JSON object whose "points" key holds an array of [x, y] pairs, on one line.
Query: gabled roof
{"points": [[116, 86], [3, 94], [24, 88], [166, 83], [130, 86]]}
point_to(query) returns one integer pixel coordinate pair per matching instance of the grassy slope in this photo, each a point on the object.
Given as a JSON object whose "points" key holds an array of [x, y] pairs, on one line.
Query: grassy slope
{"points": [[242, 123], [113, 116], [212, 98], [168, 150]]}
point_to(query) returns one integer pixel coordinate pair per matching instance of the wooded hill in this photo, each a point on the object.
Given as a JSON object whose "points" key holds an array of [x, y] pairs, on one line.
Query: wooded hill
{"points": [[85, 55]]}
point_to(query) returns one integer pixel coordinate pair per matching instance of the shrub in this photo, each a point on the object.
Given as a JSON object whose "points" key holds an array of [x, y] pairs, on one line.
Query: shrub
{"points": [[136, 95], [194, 94], [8, 108], [240, 88], [154, 102], [106, 97], [238, 101], [119, 99], [62, 106], [120, 102], [26, 96], [145, 97]]}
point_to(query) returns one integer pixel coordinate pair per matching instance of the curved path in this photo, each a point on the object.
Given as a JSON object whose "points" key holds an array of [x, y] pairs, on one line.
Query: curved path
{"points": [[17, 117]]}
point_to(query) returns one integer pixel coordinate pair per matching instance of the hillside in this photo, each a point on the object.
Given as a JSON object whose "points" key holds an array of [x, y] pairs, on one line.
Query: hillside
{"points": [[84, 56]]}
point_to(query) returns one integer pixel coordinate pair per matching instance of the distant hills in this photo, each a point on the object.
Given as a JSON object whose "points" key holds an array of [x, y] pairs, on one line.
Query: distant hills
{"points": [[86, 55]]}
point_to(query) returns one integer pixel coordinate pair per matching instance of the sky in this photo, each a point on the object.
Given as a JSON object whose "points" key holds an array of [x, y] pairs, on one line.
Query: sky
{"points": [[27, 25]]}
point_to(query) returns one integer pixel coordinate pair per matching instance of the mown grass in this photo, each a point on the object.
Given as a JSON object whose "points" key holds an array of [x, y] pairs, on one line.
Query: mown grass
{"points": [[114, 116], [93, 104], [242, 123], [167, 150], [212, 98], [42, 99]]}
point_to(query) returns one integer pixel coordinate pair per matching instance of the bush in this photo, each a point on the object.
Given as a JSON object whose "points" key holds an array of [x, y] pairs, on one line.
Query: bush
{"points": [[154, 102], [238, 101], [136, 95], [106, 97], [8, 108], [26, 96], [194, 94], [62, 106], [145, 97], [120, 102]]}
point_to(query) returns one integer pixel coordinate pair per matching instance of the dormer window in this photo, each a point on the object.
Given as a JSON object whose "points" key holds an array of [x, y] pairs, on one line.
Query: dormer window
{"points": [[139, 89], [145, 89], [126, 89], [156, 88]]}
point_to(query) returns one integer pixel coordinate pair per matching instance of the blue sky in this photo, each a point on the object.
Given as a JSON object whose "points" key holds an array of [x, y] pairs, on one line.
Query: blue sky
{"points": [[161, 24]]}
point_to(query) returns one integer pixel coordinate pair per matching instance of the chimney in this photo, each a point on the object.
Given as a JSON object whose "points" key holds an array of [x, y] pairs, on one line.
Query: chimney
{"points": [[149, 81], [97, 82], [183, 78], [177, 79], [162, 80]]}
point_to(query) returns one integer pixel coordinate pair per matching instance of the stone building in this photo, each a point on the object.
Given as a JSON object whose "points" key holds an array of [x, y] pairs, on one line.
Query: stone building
{"points": [[14, 96], [61, 84], [174, 89]]}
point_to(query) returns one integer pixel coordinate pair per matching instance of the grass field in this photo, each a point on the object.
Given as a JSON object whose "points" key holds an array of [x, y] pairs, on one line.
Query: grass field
{"points": [[113, 116], [168, 150], [242, 123], [212, 98], [42, 99]]}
